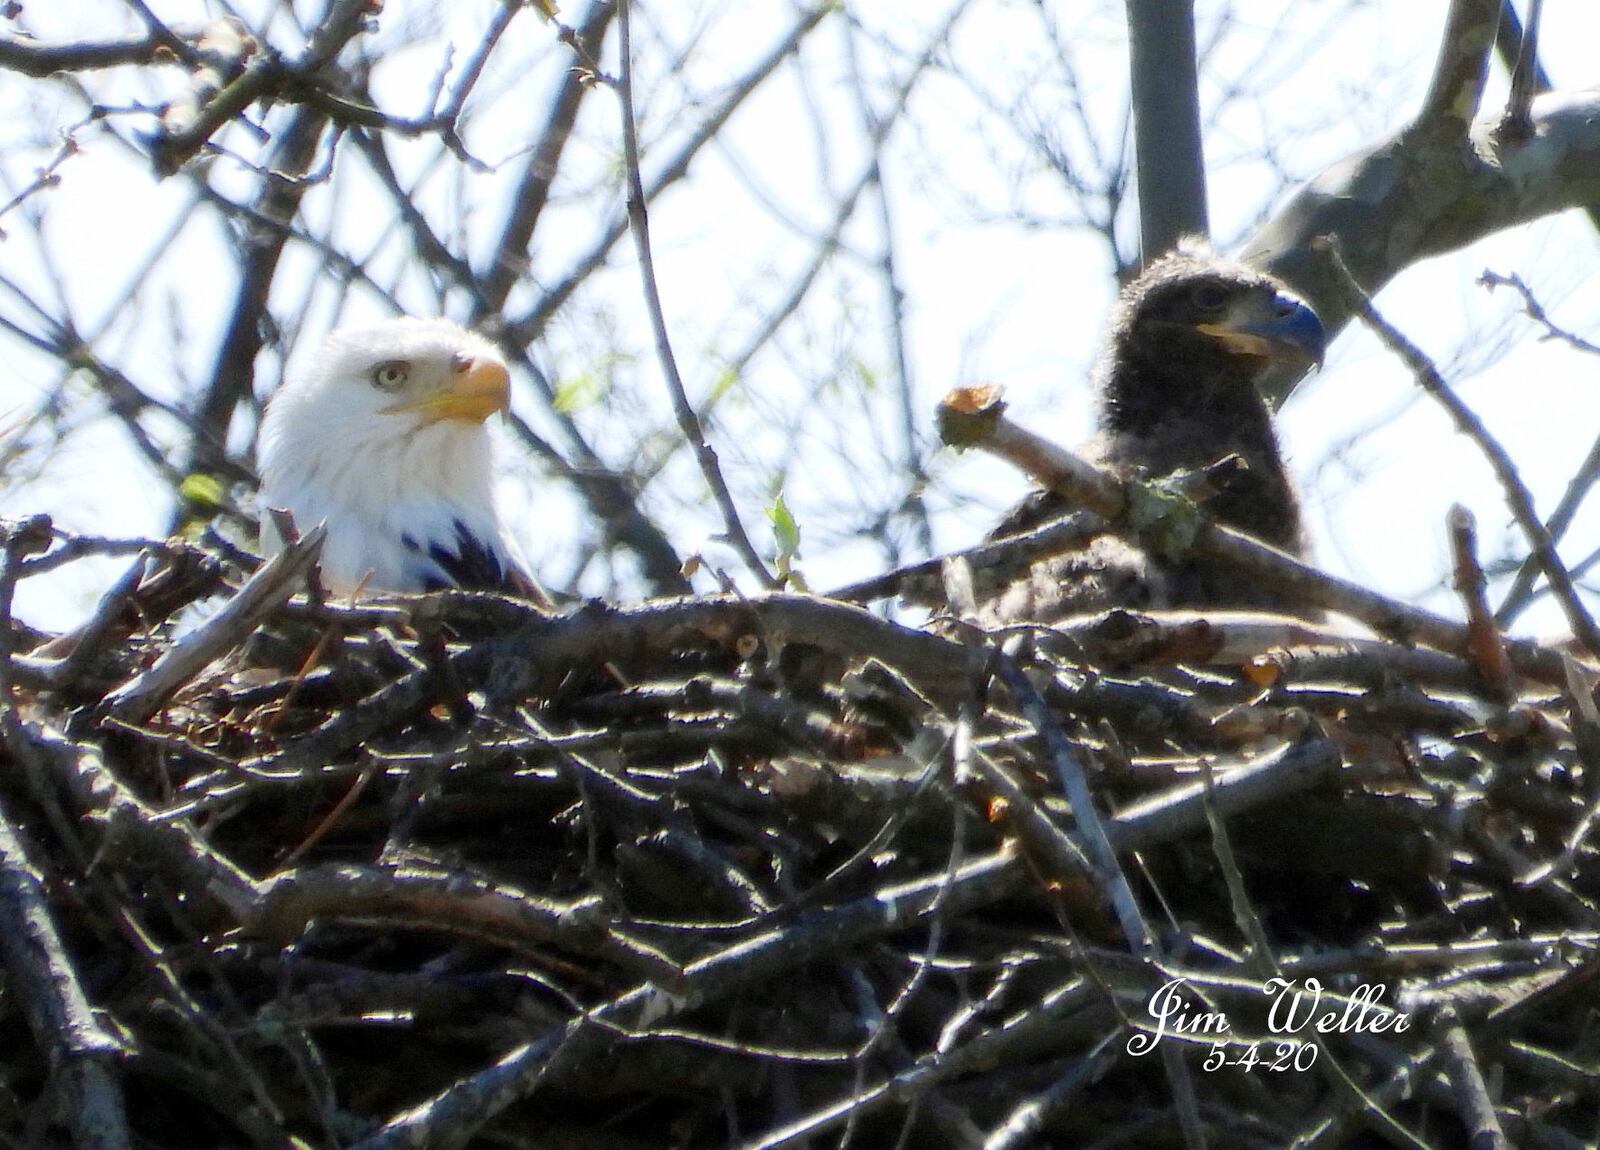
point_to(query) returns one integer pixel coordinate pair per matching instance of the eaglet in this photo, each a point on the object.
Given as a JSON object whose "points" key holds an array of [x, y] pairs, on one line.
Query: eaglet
{"points": [[1176, 382]]}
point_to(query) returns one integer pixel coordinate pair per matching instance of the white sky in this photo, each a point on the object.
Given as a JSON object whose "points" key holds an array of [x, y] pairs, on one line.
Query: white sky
{"points": [[1379, 466]]}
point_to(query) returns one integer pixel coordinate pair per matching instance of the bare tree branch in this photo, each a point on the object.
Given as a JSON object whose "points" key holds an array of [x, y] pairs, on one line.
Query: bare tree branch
{"points": [[1166, 122], [33, 58], [638, 217], [1462, 67], [1515, 490], [1414, 196]]}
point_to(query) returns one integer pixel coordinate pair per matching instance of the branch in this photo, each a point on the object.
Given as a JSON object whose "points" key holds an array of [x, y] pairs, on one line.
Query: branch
{"points": [[78, 1051], [510, 261], [1517, 495], [542, 647], [261, 246], [1527, 78], [277, 579], [1413, 196], [1488, 651], [992, 432], [1003, 558], [1166, 112], [688, 421], [526, 328], [1462, 67], [32, 58], [449, 1119], [1534, 310]]}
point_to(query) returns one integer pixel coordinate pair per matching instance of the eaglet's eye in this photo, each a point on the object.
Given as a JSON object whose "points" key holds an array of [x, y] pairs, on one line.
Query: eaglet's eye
{"points": [[1208, 297], [391, 375]]}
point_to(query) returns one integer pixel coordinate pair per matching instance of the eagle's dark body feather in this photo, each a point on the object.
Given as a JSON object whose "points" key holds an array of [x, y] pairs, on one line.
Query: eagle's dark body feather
{"points": [[1177, 391]]}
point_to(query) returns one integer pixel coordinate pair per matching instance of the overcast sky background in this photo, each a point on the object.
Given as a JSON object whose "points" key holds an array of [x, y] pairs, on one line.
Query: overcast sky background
{"points": [[1378, 464]]}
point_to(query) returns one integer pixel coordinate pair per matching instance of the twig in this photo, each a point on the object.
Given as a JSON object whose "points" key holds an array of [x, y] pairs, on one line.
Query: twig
{"points": [[277, 579], [1262, 958], [526, 327], [975, 417], [33, 58], [918, 582], [688, 421], [132, 834], [1074, 785], [452, 902], [1109, 876], [1508, 46], [1023, 1124], [47, 177], [449, 1118], [1048, 1013], [914, 472], [1517, 495], [1520, 594], [983, 428], [1535, 310], [1472, 1094], [521, 659], [1165, 816], [1486, 646], [508, 264]]}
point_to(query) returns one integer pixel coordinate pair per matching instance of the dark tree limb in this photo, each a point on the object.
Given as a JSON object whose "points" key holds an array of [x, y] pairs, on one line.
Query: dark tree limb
{"points": [[1527, 78], [509, 263], [38, 59], [262, 246], [1462, 66], [1166, 119], [1439, 184], [80, 1054]]}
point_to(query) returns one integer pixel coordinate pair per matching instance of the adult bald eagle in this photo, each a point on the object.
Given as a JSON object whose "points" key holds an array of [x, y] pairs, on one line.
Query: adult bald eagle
{"points": [[1187, 341], [382, 437]]}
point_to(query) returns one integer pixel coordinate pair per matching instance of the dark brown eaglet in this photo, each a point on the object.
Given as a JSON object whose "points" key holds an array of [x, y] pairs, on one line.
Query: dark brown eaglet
{"points": [[1177, 391]]}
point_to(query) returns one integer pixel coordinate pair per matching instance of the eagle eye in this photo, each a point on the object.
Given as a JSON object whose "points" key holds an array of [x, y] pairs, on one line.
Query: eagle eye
{"points": [[1208, 297], [390, 376]]}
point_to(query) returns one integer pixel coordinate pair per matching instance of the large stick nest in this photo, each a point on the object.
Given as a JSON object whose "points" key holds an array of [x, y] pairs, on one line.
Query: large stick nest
{"points": [[776, 872]]}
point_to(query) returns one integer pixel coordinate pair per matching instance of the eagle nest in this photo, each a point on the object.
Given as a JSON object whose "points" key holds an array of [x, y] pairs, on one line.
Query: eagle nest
{"points": [[444, 871]]}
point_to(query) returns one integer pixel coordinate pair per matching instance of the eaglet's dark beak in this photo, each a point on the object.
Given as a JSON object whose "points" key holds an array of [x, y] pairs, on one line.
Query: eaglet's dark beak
{"points": [[1277, 327]]}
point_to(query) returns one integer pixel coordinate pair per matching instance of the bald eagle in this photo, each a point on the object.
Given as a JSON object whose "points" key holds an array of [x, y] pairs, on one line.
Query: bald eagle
{"points": [[382, 437], [1176, 382]]}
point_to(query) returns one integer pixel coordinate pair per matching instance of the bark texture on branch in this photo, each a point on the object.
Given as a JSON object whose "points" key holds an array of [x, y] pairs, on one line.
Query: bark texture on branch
{"points": [[1422, 193]]}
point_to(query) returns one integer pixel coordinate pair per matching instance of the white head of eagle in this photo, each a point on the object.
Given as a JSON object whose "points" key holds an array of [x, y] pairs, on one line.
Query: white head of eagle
{"points": [[381, 436]]}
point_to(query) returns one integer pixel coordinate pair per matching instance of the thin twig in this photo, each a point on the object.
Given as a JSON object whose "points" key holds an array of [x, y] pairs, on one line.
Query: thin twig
{"points": [[1520, 594], [1517, 495], [1535, 310], [688, 421], [277, 579]]}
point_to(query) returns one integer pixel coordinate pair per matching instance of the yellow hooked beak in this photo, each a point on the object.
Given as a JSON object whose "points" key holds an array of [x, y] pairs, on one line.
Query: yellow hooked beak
{"points": [[477, 389]]}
